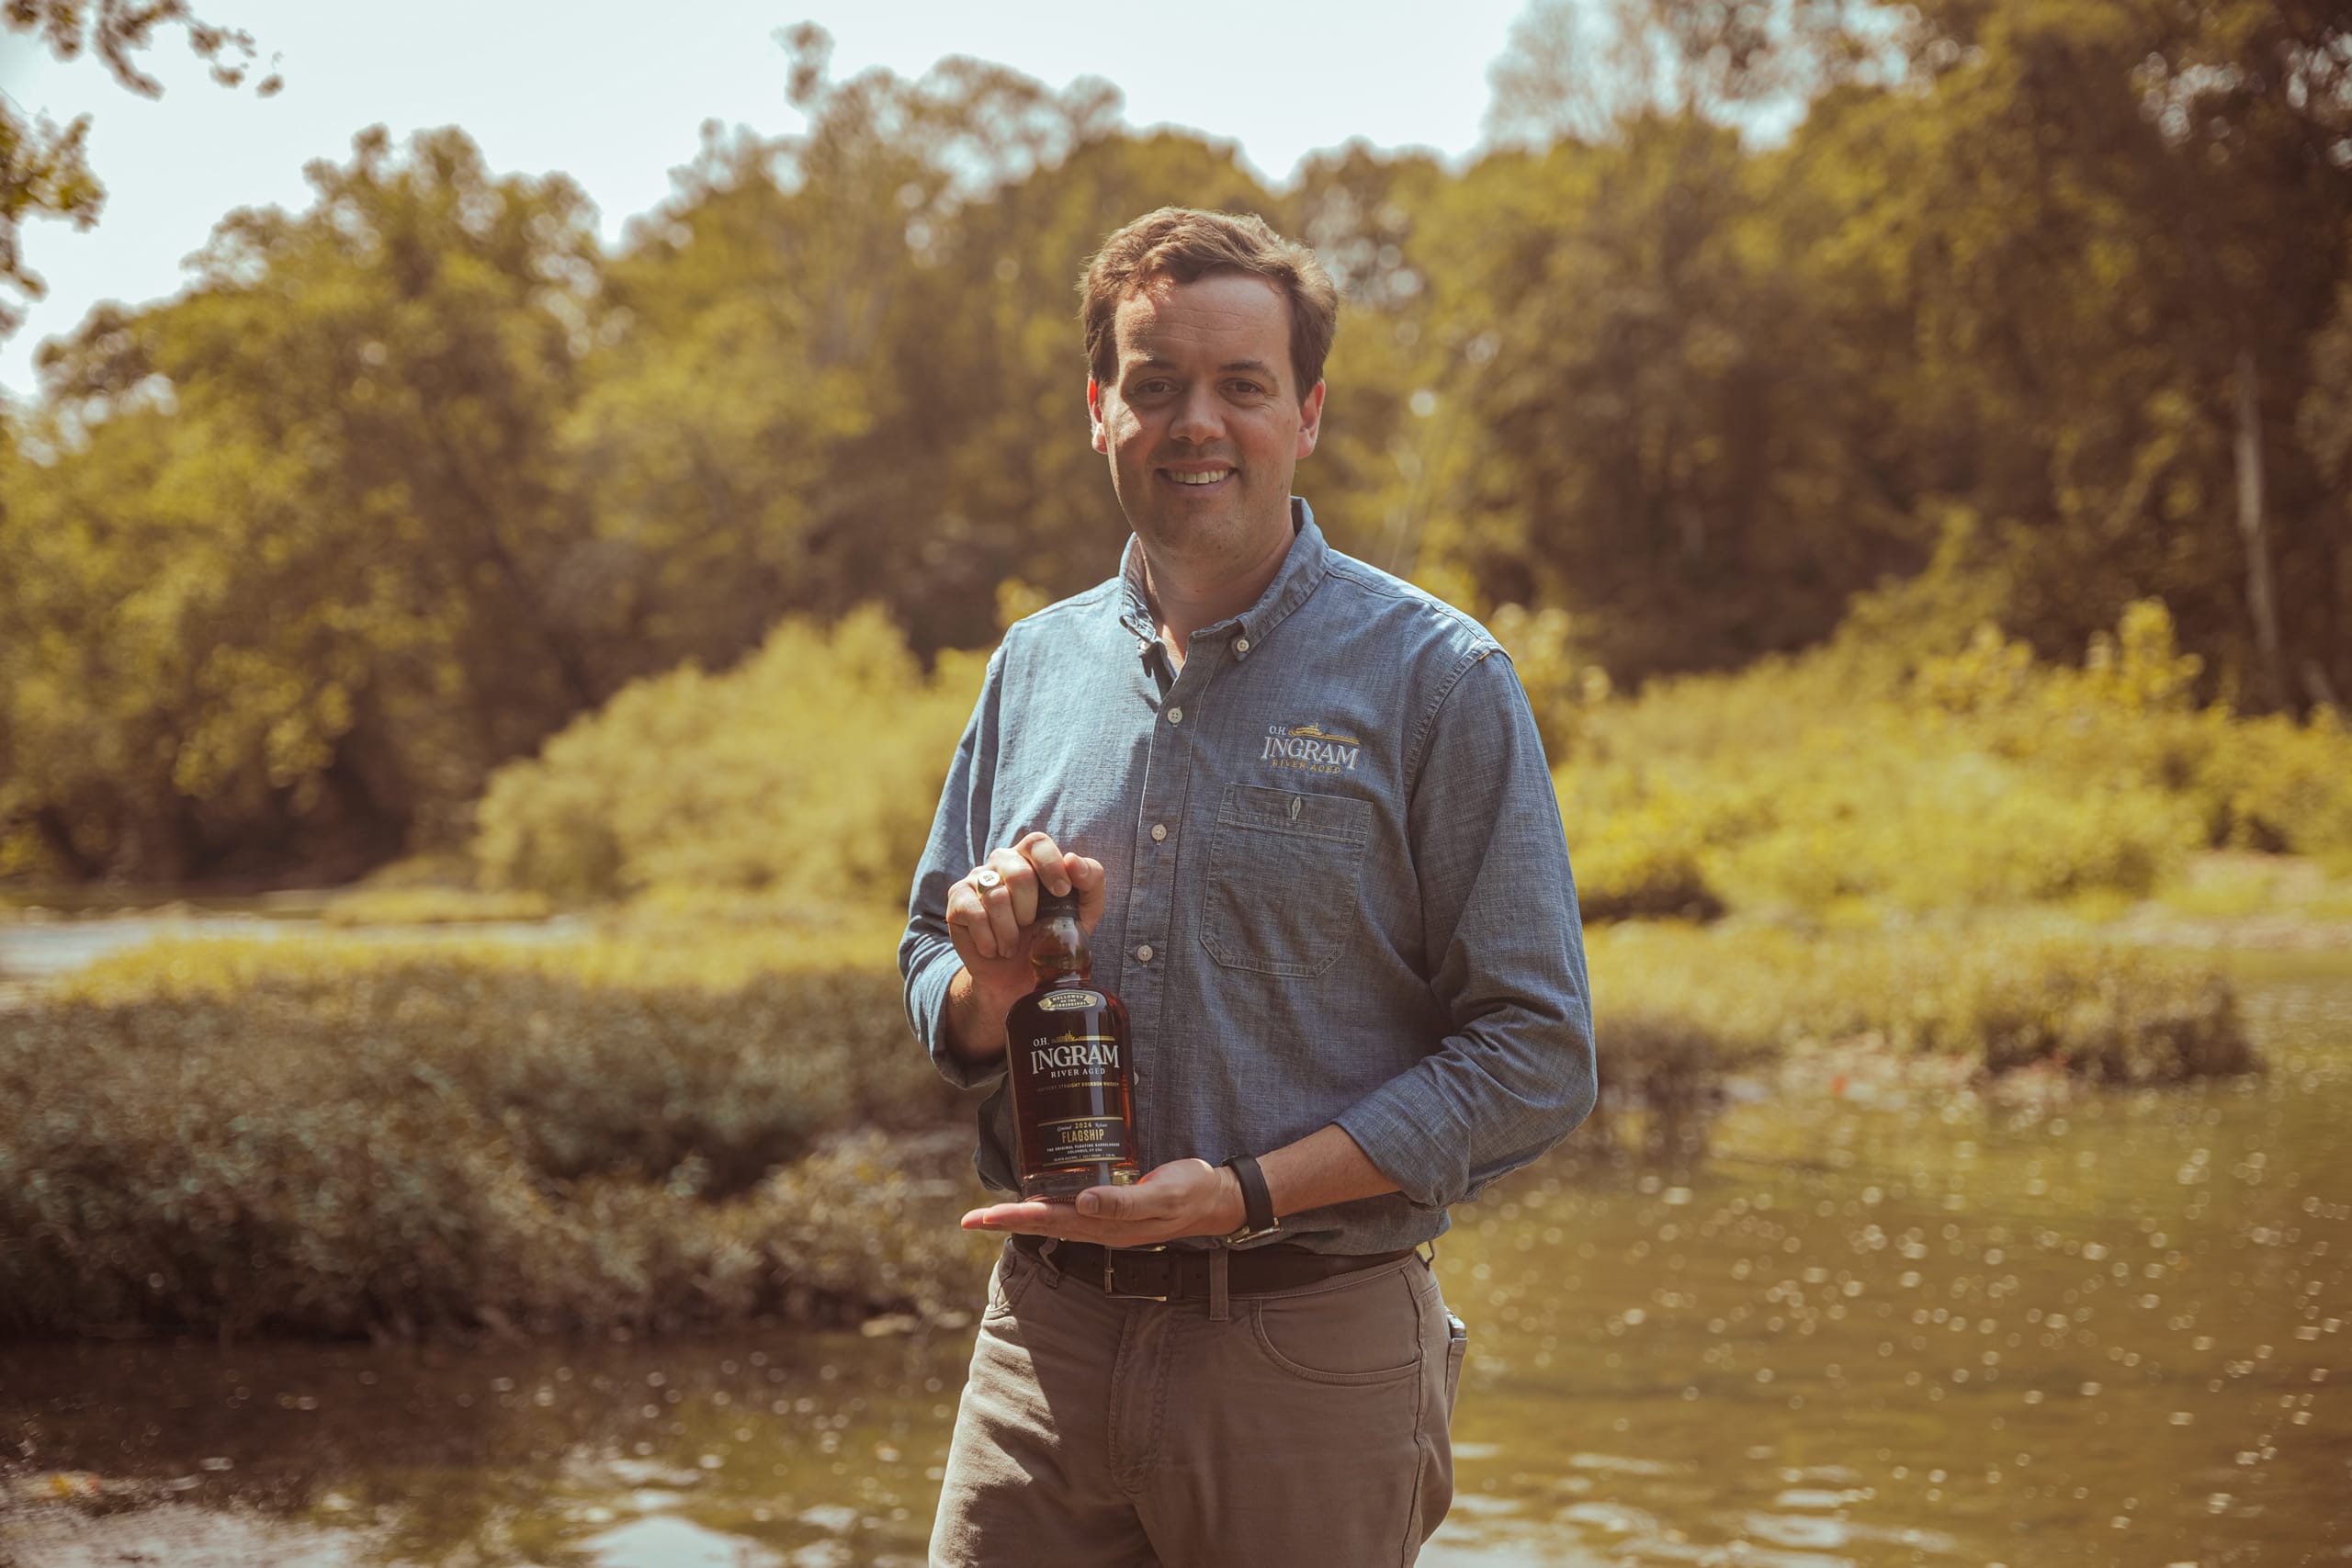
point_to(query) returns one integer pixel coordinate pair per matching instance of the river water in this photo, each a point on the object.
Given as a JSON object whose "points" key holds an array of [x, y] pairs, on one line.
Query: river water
{"points": [[1881, 1324], [68, 938]]}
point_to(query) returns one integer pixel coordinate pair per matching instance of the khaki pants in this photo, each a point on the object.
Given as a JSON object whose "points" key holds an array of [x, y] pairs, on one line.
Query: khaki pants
{"points": [[1306, 1426]]}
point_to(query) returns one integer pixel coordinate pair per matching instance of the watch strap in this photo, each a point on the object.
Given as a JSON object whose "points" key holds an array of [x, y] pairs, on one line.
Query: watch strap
{"points": [[1257, 1202]]}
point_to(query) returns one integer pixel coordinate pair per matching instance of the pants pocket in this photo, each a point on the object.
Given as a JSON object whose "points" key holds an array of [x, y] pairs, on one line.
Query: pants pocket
{"points": [[1008, 1279], [1360, 1329]]}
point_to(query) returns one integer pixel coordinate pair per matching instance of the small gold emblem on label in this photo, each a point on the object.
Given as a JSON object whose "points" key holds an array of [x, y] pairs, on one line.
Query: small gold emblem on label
{"points": [[1071, 1002]]}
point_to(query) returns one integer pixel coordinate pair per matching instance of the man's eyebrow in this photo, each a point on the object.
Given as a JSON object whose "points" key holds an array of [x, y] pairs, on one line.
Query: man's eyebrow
{"points": [[1259, 365]]}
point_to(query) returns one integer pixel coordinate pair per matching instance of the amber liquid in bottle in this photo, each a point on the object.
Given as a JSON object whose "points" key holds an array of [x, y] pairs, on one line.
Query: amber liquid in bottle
{"points": [[1066, 1056]]}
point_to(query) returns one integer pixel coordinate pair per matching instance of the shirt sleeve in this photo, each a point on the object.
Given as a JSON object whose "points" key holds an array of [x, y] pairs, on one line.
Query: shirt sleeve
{"points": [[927, 957], [1505, 947]]}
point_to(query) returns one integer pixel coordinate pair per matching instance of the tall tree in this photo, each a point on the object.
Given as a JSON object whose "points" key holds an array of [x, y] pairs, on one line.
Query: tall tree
{"points": [[1649, 382], [847, 364], [294, 579], [2121, 222]]}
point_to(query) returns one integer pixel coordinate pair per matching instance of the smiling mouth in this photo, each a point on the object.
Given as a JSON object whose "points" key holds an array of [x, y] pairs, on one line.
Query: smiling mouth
{"points": [[1199, 480]]}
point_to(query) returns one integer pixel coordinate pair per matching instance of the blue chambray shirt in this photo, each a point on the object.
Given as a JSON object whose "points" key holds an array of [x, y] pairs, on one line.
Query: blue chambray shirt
{"points": [[1338, 886]]}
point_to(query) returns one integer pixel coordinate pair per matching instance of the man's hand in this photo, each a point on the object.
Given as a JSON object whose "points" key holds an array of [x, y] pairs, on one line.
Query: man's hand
{"points": [[1185, 1197], [986, 912]]}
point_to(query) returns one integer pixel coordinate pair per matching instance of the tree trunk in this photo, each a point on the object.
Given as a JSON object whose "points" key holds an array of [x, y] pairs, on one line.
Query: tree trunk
{"points": [[2322, 689], [2261, 601], [57, 838]]}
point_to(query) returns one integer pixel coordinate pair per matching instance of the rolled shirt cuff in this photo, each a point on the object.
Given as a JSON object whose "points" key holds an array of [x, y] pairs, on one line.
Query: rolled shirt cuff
{"points": [[927, 1010], [1431, 1170]]}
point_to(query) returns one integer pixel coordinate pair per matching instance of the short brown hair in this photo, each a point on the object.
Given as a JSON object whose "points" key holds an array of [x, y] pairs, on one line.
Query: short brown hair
{"points": [[1183, 243]]}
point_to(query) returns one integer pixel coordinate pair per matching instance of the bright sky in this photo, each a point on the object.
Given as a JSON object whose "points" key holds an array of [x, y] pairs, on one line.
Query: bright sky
{"points": [[614, 95]]}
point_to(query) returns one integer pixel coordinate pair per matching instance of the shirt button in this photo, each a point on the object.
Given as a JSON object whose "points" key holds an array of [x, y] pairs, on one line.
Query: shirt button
{"points": [[1158, 831], [1242, 645], [1175, 715], [1142, 953]]}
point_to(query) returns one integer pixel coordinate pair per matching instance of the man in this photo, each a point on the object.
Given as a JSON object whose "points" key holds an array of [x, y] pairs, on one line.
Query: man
{"points": [[1310, 825]]}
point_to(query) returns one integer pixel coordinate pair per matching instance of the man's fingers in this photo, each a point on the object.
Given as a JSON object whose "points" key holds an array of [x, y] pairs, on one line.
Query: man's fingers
{"points": [[1068, 1223], [1175, 1200], [1004, 925], [1108, 1204], [988, 919], [1020, 880], [1087, 877], [1045, 860], [967, 921], [1037, 1217]]}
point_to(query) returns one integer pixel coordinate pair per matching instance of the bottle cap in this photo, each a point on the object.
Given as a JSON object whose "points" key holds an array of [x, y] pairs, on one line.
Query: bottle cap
{"points": [[1050, 903]]}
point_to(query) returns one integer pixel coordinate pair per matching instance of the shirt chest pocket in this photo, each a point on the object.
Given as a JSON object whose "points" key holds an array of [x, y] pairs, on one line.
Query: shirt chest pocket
{"points": [[1284, 870]]}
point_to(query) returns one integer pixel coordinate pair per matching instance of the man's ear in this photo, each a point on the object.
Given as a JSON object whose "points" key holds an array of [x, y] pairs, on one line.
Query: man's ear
{"points": [[1310, 419], [1094, 415]]}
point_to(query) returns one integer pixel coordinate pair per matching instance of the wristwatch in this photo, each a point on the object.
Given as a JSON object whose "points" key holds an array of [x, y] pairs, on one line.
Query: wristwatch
{"points": [[1257, 1203]]}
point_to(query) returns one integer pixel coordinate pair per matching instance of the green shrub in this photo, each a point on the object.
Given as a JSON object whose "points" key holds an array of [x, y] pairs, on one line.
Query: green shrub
{"points": [[1979, 779], [1635, 861], [2129, 715], [811, 772], [1870, 810], [596, 1059], [342, 1137]]}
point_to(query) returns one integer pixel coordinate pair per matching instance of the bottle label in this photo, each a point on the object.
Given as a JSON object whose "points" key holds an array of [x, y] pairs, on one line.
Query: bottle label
{"points": [[1082, 1139], [1074, 1081], [1069, 1002]]}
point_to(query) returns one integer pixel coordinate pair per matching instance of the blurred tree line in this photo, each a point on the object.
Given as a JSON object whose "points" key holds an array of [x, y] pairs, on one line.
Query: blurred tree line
{"points": [[2056, 290]]}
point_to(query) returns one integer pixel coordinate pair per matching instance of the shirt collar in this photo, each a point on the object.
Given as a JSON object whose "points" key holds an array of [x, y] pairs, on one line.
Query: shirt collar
{"points": [[1302, 570]]}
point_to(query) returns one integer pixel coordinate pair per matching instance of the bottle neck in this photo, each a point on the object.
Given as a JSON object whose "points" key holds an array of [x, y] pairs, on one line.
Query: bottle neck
{"points": [[1057, 952]]}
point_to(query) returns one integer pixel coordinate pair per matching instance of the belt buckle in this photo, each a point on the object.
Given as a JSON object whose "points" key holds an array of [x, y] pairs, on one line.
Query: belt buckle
{"points": [[1111, 1256]]}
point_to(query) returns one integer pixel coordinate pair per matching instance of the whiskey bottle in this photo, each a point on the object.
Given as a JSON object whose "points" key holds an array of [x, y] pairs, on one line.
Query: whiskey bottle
{"points": [[1066, 1056]]}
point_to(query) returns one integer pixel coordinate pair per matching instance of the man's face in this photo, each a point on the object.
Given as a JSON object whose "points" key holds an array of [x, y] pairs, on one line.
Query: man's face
{"points": [[1204, 423]]}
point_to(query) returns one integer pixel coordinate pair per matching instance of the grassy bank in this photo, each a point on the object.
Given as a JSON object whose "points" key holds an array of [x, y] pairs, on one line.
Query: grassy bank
{"points": [[1749, 993], [705, 1122], [338, 1138], [1680, 1007], [433, 907]]}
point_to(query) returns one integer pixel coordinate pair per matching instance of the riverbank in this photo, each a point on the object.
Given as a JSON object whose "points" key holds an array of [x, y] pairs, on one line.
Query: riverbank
{"points": [[335, 1137], [677, 1123], [1872, 1326]]}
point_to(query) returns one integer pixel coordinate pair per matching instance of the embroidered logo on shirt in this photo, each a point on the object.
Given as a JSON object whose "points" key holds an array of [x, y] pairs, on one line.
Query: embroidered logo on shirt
{"points": [[1310, 746]]}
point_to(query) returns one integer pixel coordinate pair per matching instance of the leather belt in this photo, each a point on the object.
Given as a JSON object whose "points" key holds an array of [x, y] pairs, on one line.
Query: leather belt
{"points": [[1165, 1274]]}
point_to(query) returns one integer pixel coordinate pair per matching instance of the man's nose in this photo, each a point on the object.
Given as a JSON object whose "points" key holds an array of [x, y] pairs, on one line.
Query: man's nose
{"points": [[1198, 417]]}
